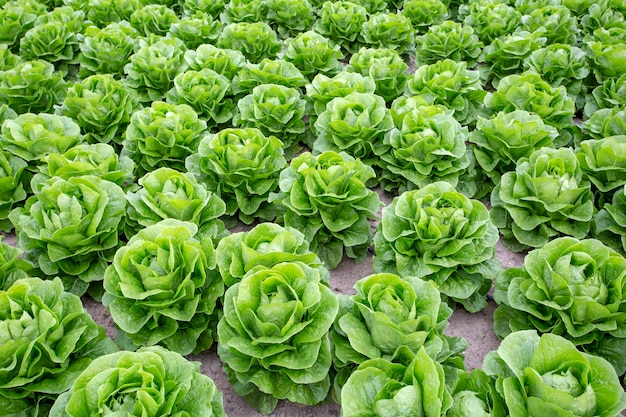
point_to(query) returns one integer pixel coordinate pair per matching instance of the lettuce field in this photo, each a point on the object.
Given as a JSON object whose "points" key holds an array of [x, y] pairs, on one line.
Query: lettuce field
{"points": [[197, 171]]}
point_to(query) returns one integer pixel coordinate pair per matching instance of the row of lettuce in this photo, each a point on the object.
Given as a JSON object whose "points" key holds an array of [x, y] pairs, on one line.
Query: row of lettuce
{"points": [[283, 334], [135, 135]]}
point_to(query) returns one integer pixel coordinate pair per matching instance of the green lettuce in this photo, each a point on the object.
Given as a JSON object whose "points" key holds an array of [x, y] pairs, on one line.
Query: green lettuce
{"points": [[491, 19], [208, 93], [70, 228], [98, 159], [568, 287], [153, 66], [54, 37], [562, 64], [426, 149], [242, 166], [341, 22], [101, 106], [212, 7], [326, 197], [106, 50], [169, 194], [290, 16], [606, 50], [268, 71], [405, 105], [273, 336], [12, 265], [47, 339], [162, 288], [609, 225], [16, 18], [163, 134], [475, 395], [506, 137], [606, 123], [528, 91], [226, 62], [451, 84], [387, 315], [507, 55], [249, 11], [275, 110], [390, 31], [151, 382], [557, 20], [425, 13], [603, 162], [439, 234], [610, 94], [153, 19], [266, 244], [547, 374], [412, 385], [313, 54], [32, 86], [104, 12], [385, 66], [356, 124], [33, 136], [196, 29], [601, 14], [545, 197], [255, 40], [448, 40], [11, 185], [322, 89]]}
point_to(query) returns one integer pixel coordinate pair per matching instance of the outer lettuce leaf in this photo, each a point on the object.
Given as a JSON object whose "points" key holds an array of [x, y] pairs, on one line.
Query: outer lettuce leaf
{"points": [[11, 186], [12, 265]]}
